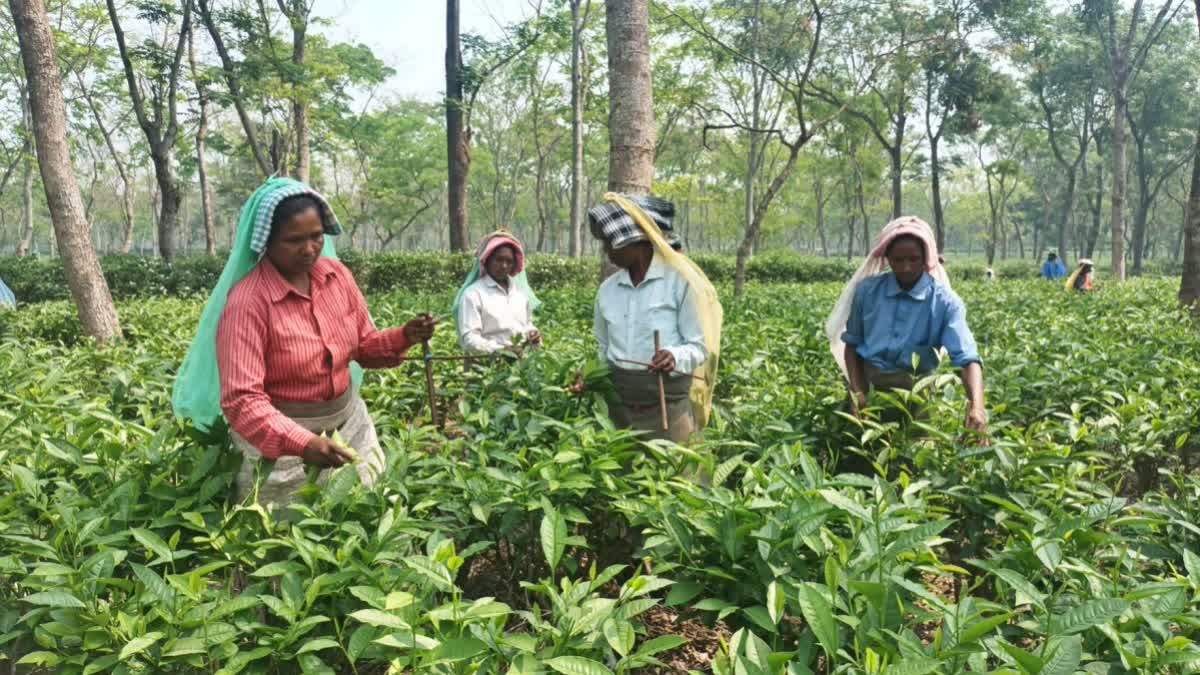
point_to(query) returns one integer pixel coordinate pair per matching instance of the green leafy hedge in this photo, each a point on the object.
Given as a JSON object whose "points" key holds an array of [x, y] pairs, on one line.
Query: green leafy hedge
{"points": [[41, 279]]}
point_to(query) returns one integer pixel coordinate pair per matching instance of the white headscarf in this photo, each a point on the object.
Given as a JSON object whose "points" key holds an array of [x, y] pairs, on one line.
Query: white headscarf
{"points": [[876, 263]]}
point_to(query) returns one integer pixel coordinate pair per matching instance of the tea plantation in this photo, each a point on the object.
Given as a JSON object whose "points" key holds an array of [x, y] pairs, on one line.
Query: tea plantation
{"points": [[532, 537]]}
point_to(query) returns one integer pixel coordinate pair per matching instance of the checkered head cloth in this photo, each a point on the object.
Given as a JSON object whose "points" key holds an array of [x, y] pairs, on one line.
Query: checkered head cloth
{"points": [[266, 211], [611, 223]]}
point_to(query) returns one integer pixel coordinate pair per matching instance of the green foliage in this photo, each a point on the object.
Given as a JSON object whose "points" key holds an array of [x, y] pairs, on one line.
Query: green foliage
{"points": [[36, 280], [534, 537]]}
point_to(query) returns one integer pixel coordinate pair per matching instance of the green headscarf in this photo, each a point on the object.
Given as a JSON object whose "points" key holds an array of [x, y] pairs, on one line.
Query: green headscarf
{"points": [[477, 272], [197, 393]]}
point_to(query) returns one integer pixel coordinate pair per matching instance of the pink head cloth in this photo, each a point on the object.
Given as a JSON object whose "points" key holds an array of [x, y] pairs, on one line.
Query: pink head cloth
{"points": [[911, 226], [503, 240]]}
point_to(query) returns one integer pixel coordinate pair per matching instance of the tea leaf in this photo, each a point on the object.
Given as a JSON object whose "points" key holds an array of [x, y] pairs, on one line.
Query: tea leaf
{"points": [[577, 665]]}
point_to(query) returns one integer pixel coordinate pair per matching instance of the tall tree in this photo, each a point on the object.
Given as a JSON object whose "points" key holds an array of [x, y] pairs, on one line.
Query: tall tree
{"points": [[1160, 107], [119, 162], [1189, 283], [956, 81], [900, 34], [234, 84], [458, 158], [160, 69], [25, 243], [80, 263], [298, 13], [463, 84], [795, 53], [1066, 83], [206, 196], [1126, 50], [580, 10]]}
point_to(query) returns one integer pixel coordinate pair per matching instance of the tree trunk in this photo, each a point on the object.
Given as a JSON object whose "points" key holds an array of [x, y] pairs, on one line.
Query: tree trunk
{"points": [[299, 20], [127, 215], [539, 190], [935, 172], [578, 21], [160, 127], [1096, 208], [819, 193], [760, 213], [631, 126], [1189, 284], [458, 158], [1120, 141], [25, 243], [862, 211], [1068, 213], [896, 154], [206, 206], [170, 198], [48, 110]]}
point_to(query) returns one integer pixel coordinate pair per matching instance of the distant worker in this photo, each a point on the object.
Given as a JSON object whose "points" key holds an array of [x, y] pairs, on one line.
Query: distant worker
{"points": [[989, 275], [1081, 278], [494, 307], [884, 320], [1053, 268], [7, 299]]}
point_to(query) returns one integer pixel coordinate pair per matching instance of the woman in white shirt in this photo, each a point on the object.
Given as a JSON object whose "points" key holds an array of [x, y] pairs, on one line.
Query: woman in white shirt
{"points": [[494, 308]]}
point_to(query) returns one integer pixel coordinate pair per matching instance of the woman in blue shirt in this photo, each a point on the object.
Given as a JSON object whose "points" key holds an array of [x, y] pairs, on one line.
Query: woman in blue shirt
{"points": [[898, 320], [7, 299]]}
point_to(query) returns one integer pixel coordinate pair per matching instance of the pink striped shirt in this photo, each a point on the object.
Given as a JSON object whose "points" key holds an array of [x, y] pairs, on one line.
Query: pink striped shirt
{"points": [[275, 343]]}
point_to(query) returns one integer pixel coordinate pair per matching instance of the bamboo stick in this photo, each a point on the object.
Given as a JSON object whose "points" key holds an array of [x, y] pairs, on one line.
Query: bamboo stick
{"points": [[662, 387], [433, 416]]}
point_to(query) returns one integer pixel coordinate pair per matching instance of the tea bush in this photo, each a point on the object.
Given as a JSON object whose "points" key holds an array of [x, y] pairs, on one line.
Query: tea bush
{"points": [[532, 537], [36, 280]]}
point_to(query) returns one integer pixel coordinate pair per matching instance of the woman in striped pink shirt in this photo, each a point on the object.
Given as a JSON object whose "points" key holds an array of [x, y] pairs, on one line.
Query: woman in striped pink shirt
{"points": [[287, 336]]}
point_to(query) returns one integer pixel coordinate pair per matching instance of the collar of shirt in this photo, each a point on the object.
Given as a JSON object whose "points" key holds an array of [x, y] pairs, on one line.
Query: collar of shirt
{"points": [[918, 292], [278, 288], [655, 271], [492, 283]]}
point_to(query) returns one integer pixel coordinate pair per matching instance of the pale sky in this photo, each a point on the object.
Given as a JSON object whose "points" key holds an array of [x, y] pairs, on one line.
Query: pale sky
{"points": [[410, 35]]}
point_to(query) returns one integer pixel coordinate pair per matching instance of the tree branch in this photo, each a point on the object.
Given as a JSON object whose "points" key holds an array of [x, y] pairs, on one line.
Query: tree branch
{"points": [[231, 81]]}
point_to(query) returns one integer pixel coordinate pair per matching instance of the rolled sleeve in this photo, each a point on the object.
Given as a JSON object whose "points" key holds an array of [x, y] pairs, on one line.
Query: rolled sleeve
{"points": [[957, 337], [855, 332], [376, 348]]}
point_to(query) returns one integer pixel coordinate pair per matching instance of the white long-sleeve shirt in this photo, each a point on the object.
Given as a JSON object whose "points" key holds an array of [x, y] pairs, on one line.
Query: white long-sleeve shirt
{"points": [[626, 317], [490, 316]]}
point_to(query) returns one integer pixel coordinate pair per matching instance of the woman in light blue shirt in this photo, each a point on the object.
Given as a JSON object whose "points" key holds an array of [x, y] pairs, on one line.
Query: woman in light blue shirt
{"points": [[900, 319], [643, 297]]}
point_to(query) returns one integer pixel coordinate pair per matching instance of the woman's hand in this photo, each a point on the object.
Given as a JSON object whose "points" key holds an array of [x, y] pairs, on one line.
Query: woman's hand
{"points": [[858, 403], [420, 329], [663, 362], [977, 422], [578, 387], [534, 337], [324, 453]]}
